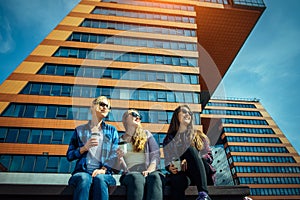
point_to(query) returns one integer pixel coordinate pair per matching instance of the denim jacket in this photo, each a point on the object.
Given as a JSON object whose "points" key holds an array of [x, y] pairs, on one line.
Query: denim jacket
{"points": [[109, 147]]}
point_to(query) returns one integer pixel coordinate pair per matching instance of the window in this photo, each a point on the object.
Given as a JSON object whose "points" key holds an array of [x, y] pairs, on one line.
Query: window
{"points": [[35, 136], [46, 137], [23, 136], [28, 164], [12, 135], [40, 165], [16, 164]]}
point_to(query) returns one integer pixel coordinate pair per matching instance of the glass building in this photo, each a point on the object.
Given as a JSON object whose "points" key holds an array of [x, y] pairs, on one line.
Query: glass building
{"points": [[148, 55], [257, 152]]}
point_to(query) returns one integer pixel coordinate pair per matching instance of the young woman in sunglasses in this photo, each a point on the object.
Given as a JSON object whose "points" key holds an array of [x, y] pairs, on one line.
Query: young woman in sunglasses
{"points": [[181, 151], [139, 155]]}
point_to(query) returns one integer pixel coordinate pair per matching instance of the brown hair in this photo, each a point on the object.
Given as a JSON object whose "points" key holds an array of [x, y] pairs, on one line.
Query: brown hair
{"points": [[196, 136]]}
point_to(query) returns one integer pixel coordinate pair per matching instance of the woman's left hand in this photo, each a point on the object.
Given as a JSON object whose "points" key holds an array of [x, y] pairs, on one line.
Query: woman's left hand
{"points": [[146, 173], [183, 165]]}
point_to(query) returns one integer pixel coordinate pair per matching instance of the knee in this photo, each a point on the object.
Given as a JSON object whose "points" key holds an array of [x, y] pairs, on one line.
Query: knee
{"points": [[154, 178], [134, 178], [99, 179], [82, 179]]}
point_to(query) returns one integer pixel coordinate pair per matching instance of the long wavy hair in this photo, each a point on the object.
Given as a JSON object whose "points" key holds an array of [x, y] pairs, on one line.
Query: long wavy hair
{"points": [[195, 137], [139, 138]]}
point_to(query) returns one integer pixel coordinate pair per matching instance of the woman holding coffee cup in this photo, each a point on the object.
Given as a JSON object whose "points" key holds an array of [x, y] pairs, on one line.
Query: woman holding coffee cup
{"points": [[181, 151], [139, 155]]}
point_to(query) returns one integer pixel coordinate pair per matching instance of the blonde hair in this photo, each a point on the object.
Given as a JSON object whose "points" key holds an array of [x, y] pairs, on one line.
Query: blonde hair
{"points": [[139, 138], [100, 99], [198, 140]]}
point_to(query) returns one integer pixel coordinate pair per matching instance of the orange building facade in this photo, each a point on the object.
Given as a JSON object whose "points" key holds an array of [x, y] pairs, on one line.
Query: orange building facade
{"points": [[257, 152], [147, 55]]}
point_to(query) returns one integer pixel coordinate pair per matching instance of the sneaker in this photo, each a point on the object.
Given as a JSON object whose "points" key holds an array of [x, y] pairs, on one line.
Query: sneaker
{"points": [[203, 196]]}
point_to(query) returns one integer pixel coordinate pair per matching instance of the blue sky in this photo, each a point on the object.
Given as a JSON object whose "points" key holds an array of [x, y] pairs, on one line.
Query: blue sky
{"points": [[267, 67]]}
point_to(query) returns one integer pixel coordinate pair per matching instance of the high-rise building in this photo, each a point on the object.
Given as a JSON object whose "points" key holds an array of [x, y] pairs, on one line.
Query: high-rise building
{"points": [[147, 55], [257, 152]]}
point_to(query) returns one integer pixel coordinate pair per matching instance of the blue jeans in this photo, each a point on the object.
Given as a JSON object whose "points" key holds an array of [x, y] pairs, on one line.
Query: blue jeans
{"points": [[143, 188], [83, 181]]}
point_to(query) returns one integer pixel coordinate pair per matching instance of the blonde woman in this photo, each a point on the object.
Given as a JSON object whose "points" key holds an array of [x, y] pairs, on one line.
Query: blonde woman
{"points": [[182, 145], [140, 157]]}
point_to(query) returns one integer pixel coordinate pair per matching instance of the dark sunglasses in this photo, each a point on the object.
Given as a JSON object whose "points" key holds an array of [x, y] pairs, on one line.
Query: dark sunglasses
{"points": [[136, 115], [104, 105], [184, 111]]}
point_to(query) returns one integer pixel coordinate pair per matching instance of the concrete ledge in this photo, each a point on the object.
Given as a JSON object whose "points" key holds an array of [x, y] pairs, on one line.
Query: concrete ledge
{"points": [[63, 192]]}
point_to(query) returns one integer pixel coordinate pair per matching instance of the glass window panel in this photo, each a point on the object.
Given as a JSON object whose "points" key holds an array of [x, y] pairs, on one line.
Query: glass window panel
{"points": [[150, 59], [35, 88], [153, 117], [28, 164], [170, 97], [144, 115], [151, 76], [12, 135], [46, 137], [3, 134], [56, 90], [52, 165], [46, 88], [175, 61], [124, 94], [196, 97], [83, 113], [35, 136], [40, 165], [177, 78], [73, 53], [67, 137], [50, 69], [29, 111], [86, 92], [66, 90], [64, 165], [152, 96], [188, 97], [23, 136], [194, 79], [82, 53], [62, 112], [179, 97], [143, 95], [161, 96], [162, 117], [57, 137], [51, 112], [16, 164], [116, 74]]}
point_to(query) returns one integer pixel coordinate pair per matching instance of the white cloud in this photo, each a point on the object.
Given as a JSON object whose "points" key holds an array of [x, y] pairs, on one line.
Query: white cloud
{"points": [[6, 40]]}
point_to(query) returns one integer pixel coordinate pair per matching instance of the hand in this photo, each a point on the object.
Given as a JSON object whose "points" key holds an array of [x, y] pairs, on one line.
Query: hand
{"points": [[146, 173], [184, 165], [120, 153], [92, 142], [173, 169], [98, 171]]}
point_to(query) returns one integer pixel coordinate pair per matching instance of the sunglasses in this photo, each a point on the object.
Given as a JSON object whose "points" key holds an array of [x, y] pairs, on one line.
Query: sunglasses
{"points": [[184, 111], [136, 115], [104, 105]]}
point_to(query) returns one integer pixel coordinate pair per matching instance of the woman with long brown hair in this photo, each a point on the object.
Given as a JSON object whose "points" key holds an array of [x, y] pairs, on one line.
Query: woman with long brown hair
{"points": [[182, 145]]}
